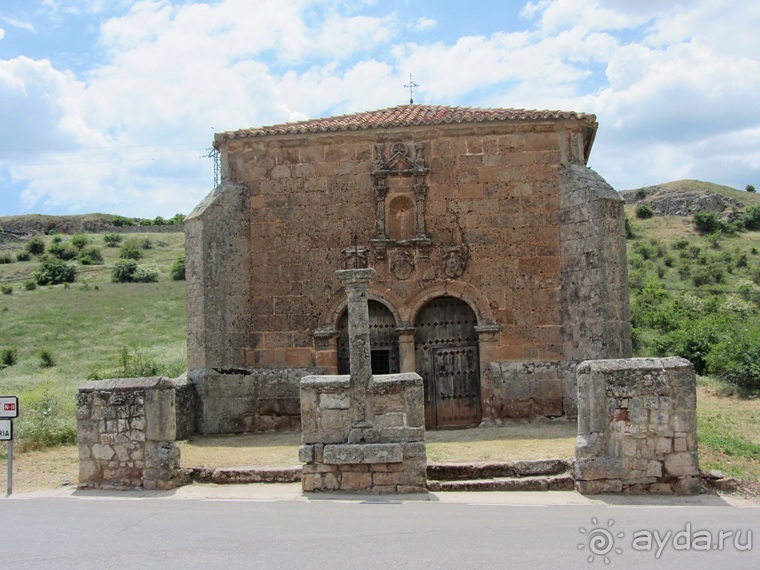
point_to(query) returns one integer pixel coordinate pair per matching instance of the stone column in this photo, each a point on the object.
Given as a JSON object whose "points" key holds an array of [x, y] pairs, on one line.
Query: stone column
{"points": [[407, 359], [356, 282]]}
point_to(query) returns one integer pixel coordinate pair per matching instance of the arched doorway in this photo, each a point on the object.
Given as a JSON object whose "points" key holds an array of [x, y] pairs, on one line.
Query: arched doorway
{"points": [[446, 353], [383, 341]]}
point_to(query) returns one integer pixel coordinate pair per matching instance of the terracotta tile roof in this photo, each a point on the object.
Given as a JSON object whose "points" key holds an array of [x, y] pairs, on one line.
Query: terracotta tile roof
{"points": [[405, 116]]}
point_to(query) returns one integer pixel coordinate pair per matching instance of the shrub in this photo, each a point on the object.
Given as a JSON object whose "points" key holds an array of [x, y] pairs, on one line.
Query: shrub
{"points": [[120, 221], [112, 240], [53, 271], [681, 243], [707, 275], [630, 229], [46, 423], [46, 358], [36, 246], [145, 274], [8, 357], [130, 250], [63, 251], [177, 219], [159, 221], [79, 241], [177, 270], [23, 256], [6, 258], [91, 256], [30, 284], [124, 271], [56, 238], [145, 243], [708, 222], [136, 365], [694, 339], [750, 188], [751, 218], [6, 289], [644, 212], [736, 358]]}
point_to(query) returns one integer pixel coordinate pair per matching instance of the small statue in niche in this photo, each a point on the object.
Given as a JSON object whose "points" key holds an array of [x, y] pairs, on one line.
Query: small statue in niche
{"points": [[402, 264], [455, 261]]}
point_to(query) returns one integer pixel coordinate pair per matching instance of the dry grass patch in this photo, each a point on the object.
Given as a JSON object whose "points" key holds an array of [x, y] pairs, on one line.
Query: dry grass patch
{"points": [[37, 470]]}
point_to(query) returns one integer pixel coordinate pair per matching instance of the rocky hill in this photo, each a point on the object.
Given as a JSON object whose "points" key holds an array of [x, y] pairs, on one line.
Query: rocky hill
{"points": [[687, 197]]}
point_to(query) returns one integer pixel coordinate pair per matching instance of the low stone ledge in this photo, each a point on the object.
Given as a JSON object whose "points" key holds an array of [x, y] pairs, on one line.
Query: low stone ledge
{"points": [[323, 383], [342, 454]]}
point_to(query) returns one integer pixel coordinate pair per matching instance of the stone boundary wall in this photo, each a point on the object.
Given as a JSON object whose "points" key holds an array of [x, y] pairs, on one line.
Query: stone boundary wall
{"points": [[387, 456], [528, 389], [242, 400], [637, 427], [125, 433]]}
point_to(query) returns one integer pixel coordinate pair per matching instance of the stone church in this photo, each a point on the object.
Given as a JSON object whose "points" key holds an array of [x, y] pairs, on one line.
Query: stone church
{"points": [[499, 256]]}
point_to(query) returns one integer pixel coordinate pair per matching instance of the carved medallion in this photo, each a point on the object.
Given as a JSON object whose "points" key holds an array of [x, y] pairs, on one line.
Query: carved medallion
{"points": [[455, 261], [402, 264]]}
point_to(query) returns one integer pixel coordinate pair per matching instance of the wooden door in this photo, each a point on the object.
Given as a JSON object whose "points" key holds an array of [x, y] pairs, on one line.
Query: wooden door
{"points": [[383, 341], [446, 353]]}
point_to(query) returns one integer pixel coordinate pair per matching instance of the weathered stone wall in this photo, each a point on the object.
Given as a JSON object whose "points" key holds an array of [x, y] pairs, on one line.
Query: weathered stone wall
{"points": [[125, 433], [528, 389], [242, 400], [637, 427], [389, 457]]}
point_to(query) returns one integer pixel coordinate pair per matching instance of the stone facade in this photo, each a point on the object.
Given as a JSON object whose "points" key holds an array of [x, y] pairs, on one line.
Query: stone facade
{"points": [[125, 434], [490, 208], [637, 427]]}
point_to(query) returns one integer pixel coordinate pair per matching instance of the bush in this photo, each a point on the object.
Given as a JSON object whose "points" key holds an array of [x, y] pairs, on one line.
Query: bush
{"points": [[54, 271], [124, 271], [46, 423], [63, 251], [56, 238], [120, 221], [630, 229], [708, 222], [145, 243], [177, 219], [30, 285], [159, 221], [750, 188], [112, 240], [680, 243], [46, 358], [644, 212], [36, 246], [146, 274], [8, 357], [694, 340], [751, 218], [130, 250], [6, 289], [23, 256], [5, 258], [79, 241], [736, 358], [135, 365], [707, 275], [177, 270], [91, 256]]}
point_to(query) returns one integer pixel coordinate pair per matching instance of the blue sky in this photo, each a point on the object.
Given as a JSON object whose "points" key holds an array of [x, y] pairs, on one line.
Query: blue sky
{"points": [[111, 105]]}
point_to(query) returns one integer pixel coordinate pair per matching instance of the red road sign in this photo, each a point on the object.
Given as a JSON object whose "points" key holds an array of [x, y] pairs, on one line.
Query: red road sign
{"points": [[8, 406]]}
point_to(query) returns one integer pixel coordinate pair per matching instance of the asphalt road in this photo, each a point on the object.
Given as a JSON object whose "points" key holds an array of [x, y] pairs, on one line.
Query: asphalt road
{"points": [[84, 530]]}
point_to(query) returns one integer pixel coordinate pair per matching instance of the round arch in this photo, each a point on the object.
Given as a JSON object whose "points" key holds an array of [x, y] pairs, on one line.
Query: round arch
{"points": [[457, 289]]}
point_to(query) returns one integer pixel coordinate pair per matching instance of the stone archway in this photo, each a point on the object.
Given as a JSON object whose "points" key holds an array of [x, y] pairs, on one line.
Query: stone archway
{"points": [[383, 340], [446, 356]]}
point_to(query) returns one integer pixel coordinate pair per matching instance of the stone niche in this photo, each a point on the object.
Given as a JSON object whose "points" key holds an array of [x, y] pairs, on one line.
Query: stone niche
{"points": [[637, 427]]}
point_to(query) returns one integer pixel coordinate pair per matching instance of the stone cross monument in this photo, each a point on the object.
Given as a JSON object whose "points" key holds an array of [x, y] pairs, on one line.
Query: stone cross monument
{"points": [[362, 432]]}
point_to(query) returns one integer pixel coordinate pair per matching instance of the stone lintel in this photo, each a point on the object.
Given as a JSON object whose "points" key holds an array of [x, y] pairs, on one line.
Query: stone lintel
{"points": [[363, 453], [384, 382], [128, 384]]}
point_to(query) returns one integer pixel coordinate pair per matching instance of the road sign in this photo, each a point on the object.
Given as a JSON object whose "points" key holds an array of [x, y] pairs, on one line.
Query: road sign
{"points": [[8, 406], [6, 430]]}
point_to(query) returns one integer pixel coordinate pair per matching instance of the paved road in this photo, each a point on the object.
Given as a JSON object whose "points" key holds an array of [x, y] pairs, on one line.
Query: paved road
{"points": [[198, 529]]}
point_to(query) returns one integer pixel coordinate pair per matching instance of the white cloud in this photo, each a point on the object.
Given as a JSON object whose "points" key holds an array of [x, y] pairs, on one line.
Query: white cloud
{"points": [[423, 24]]}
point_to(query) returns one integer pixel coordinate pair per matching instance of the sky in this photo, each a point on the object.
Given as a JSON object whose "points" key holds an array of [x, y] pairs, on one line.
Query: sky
{"points": [[111, 105]]}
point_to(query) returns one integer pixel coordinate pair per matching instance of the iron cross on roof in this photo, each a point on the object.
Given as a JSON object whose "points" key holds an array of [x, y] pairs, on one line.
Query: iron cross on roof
{"points": [[411, 85]]}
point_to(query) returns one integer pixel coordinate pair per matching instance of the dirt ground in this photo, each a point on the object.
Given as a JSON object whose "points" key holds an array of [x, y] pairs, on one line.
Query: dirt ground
{"points": [[538, 439]]}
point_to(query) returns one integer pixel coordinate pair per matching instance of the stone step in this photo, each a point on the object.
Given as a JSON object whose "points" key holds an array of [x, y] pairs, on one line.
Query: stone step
{"points": [[496, 469], [552, 483], [238, 475]]}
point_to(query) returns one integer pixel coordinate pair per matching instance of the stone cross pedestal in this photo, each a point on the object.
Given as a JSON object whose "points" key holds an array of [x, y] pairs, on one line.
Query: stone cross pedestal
{"points": [[362, 432]]}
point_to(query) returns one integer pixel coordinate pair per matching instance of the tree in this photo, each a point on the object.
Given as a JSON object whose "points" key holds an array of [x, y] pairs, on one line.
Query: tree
{"points": [[750, 188]]}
